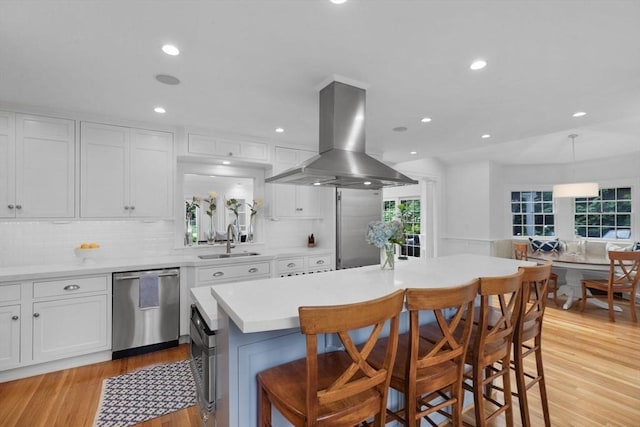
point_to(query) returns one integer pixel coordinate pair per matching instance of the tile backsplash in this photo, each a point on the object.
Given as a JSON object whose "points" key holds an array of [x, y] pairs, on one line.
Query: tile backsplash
{"points": [[46, 242], [52, 242]]}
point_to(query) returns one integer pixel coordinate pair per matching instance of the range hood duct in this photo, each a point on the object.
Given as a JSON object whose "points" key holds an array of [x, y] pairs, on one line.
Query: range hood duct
{"points": [[342, 161]]}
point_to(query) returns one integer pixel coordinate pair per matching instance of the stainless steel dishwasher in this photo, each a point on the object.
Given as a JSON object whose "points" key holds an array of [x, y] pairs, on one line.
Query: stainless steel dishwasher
{"points": [[145, 318]]}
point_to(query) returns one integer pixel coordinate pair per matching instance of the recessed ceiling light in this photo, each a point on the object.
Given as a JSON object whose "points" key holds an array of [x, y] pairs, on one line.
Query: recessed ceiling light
{"points": [[159, 110], [579, 114], [316, 183], [485, 136], [367, 183], [478, 64], [279, 130], [413, 152], [167, 79], [338, 1], [425, 119], [170, 49], [226, 162], [400, 129]]}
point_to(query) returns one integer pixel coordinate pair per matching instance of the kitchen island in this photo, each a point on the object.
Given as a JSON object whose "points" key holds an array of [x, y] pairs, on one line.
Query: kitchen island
{"points": [[258, 324]]}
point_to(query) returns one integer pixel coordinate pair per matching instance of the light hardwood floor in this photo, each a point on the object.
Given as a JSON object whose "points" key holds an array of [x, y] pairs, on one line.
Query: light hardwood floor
{"points": [[592, 368]]}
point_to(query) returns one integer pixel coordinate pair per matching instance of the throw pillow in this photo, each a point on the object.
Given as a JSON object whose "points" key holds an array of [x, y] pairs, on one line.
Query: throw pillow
{"points": [[636, 246], [545, 246]]}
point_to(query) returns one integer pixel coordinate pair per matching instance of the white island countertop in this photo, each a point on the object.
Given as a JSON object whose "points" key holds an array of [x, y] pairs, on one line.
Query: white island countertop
{"points": [[272, 304]]}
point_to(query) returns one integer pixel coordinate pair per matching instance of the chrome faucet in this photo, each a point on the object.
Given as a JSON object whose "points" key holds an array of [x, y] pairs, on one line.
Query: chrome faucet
{"points": [[229, 234]]}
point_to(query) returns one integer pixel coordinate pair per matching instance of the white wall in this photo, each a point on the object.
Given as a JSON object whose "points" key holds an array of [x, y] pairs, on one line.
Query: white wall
{"points": [[479, 212]]}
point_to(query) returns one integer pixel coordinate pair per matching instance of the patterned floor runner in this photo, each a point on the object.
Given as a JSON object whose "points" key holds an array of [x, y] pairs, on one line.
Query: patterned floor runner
{"points": [[142, 395]]}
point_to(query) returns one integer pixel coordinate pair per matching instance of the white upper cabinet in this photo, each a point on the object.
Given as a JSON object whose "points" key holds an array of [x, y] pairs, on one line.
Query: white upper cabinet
{"points": [[125, 172], [252, 151], [297, 201], [37, 156]]}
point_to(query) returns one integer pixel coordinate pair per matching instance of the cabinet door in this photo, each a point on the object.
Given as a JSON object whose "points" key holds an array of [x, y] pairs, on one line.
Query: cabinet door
{"points": [[45, 167], [9, 336], [7, 165], [151, 174], [293, 200], [69, 327], [104, 181]]}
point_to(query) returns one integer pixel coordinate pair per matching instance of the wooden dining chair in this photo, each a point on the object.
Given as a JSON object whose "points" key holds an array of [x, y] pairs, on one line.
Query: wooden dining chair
{"points": [[623, 278], [490, 343], [520, 252], [527, 339], [338, 388], [429, 372]]}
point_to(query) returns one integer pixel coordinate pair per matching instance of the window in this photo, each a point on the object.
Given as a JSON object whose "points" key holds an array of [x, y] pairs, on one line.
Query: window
{"points": [[532, 213], [410, 213], [607, 216], [389, 210]]}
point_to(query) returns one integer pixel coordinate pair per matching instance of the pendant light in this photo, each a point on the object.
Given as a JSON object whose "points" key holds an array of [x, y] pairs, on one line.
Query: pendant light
{"points": [[575, 189]]}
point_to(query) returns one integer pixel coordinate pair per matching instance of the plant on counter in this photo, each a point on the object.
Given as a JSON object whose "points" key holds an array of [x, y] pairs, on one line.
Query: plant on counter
{"points": [[384, 235], [212, 201], [191, 207], [253, 207], [233, 205]]}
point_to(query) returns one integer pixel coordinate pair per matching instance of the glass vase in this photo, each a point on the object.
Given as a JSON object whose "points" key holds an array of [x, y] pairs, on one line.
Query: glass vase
{"points": [[387, 261], [211, 233], [251, 229], [188, 239], [236, 230]]}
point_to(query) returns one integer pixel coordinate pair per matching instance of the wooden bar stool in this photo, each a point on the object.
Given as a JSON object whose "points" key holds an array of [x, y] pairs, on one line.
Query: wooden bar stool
{"points": [[339, 388], [527, 339], [491, 340], [520, 251], [431, 370], [623, 278]]}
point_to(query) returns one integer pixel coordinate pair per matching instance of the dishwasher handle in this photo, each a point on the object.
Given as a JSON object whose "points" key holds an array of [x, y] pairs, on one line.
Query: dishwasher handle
{"points": [[138, 274]]}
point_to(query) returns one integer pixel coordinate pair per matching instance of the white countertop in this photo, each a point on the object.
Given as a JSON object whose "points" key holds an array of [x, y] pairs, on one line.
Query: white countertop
{"points": [[272, 304], [183, 258], [207, 305]]}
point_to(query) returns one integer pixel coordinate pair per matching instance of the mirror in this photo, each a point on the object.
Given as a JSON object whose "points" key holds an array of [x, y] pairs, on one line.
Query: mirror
{"points": [[205, 224]]}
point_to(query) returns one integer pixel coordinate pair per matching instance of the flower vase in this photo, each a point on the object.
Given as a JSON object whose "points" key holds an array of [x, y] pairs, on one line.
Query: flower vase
{"points": [[188, 238], [387, 261], [211, 233], [236, 230], [251, 229]]}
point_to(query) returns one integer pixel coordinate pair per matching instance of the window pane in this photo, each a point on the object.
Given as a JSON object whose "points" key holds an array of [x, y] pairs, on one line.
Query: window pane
{"points": [[608, 206], [548, 219], [581, 207], [608, 220], [517, 231], [624, 193], [593, 220], [532, 213], [623, 220], [581, 220], [581, 231], [515, 196], [515, 207], [624, 206], [547, 196], [608, 193], [537, 207], [539, 231], [594, 206], [547, 207], [537, 196], [593, 232], [549, 231]]}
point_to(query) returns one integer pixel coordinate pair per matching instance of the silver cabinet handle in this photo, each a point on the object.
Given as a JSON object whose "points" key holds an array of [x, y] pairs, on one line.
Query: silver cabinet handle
{"points": [[14, 318], [11, 206], [320, 261], [132, 207], [218, 274], [36, 314], [126, 208], [298, 209], [71, 288], [18, 206], [253, 270], [291, 264]]}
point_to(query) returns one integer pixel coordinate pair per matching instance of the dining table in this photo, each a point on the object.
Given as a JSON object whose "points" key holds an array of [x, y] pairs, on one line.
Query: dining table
{"points": [[576, 265]]}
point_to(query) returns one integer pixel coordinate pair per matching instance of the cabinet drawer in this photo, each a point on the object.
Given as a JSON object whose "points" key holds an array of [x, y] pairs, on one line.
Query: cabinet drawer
{"points": [[9, 293], [318, 263], [290, 265], [69, 286], [226, 272]]}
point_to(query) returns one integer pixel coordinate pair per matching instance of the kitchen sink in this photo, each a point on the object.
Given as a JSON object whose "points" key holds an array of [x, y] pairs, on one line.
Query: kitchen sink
{"points": [[221, 256]]}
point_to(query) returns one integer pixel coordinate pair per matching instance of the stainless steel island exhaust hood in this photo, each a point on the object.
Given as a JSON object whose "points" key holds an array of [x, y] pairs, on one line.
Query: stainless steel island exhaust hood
{"points": [[342, 161]]}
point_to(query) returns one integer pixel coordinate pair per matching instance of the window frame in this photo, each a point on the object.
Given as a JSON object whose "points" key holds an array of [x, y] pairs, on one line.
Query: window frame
{"points": [[541, 213], [633, 213]]}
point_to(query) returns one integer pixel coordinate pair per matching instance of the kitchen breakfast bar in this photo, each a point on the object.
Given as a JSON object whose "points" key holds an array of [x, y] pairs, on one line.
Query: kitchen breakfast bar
{"points": [[258, 327]]}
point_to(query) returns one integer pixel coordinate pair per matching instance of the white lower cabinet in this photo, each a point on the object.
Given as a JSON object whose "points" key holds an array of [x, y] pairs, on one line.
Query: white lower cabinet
{"points": [[292, 266], [47, 320], [9, 336], [69, 327]]}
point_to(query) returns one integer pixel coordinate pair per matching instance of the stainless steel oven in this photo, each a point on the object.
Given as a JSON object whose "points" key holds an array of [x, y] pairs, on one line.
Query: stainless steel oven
{"points": [[203, 363]]}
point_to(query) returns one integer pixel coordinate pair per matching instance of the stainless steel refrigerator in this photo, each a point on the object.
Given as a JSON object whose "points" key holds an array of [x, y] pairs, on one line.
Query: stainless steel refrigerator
{"points": [[355, 209]]}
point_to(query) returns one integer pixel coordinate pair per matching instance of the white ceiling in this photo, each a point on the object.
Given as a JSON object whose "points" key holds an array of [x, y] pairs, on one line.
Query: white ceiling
{"points": [[248, 67]]}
